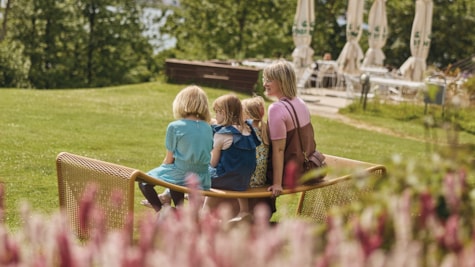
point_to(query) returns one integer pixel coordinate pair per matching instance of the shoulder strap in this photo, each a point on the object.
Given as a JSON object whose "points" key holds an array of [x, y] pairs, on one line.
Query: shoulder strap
{"points": [[297, 126]]}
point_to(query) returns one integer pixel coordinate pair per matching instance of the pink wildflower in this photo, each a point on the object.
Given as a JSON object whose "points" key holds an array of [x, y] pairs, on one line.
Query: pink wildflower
{"points": [[86, 207], [194, 197], [147, 233], [454, 183], [369, 241], [117, 198], [427, 207], [100, 225], [65, 255], [335, 237], [9, 251], [451, 238]]}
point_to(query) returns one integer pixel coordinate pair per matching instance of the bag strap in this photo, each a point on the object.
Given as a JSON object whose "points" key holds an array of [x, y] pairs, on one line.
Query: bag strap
{"points": [[297, 126]]}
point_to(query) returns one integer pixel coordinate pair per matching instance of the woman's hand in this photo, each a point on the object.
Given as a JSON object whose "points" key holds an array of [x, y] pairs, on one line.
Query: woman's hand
{"points": [[275, 189]]}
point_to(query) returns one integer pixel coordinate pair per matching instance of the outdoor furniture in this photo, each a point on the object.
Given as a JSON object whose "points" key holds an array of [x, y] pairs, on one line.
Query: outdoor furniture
{"points": [[327, 75], [226, 75], [396, 87], [115, 187], [375, 71], [316, 203]]}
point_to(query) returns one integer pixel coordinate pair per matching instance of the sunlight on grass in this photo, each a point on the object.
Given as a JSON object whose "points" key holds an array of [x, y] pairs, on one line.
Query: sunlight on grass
{"points": [[126, 125]]}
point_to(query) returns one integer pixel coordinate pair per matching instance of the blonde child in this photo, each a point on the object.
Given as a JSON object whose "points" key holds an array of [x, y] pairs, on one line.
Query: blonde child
{"points": [[254, 110], [189, 141]]}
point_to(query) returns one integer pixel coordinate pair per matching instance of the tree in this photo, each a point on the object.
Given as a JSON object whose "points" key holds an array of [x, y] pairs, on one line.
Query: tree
{"points": [[246, 29], [90, 43], [6, 10], [14, 67], [82, 43], [329, 34], [115, 45], [227, 29], [453, 33]]}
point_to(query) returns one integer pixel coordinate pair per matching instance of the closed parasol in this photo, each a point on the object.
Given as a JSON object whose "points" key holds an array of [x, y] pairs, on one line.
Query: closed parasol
{"points": [[351, 54], [377, 34], [302, 35], [415, 65]]}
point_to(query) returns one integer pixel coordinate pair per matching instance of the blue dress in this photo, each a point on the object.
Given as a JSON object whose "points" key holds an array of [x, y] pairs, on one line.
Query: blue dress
{"points": [[191, 142], [237, 163]]}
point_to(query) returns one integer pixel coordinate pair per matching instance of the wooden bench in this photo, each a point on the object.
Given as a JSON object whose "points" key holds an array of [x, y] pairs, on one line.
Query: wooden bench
{"points": [[76, 172]]}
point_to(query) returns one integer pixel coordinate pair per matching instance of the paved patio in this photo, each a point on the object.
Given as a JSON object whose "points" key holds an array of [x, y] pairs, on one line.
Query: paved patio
{"points": [[325, 102]]}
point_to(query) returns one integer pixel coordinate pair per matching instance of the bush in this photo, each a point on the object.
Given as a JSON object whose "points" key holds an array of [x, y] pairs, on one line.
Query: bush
{"points": [[14, 67]]}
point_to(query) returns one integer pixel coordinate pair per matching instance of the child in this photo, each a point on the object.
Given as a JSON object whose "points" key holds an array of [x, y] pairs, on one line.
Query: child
{"points": [[254, 110], [189, 141], [233, 158]]}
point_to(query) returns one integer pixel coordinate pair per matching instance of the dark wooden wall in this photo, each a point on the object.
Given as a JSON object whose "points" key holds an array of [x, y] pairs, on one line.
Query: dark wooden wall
{"points": [[238, 78]]}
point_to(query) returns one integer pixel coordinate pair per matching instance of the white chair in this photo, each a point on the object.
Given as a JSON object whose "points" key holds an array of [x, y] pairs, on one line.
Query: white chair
{"points": [[304, 78], [327, 75]]}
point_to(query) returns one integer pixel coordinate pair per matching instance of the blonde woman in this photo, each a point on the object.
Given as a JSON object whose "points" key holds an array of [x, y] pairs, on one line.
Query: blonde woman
{"points": [[280, 83]]}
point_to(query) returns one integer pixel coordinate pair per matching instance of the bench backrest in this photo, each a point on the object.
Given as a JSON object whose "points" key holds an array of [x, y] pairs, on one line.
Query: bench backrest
{"points": [[76, 173], [316, 203], [114, 187]]}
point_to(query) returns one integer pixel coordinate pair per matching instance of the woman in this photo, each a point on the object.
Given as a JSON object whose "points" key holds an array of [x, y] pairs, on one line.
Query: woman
{"points": [[280, 82]]}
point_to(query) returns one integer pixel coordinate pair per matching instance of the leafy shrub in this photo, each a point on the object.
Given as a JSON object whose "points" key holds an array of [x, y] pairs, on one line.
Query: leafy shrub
{"points": [[14, 67], [259, 87]]}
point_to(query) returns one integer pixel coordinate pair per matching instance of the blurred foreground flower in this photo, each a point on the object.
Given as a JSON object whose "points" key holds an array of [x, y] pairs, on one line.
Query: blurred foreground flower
{"points": [[406, 221]]}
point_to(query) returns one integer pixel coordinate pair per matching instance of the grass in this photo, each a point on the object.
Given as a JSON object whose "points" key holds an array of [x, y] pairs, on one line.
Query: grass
{"points": [[126, 125], [408, 118]]}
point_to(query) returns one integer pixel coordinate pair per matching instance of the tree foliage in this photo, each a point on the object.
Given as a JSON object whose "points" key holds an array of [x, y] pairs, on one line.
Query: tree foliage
{"points": [[453, 33], [90, 43], [229, 29], [81, 43], [14, 66], [329, 34], [254, 29]]}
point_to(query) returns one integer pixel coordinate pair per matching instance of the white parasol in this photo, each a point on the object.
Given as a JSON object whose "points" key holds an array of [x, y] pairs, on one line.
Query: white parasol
{"points": [[302, 29], [351, 54], [377, 34], [415, 66]]}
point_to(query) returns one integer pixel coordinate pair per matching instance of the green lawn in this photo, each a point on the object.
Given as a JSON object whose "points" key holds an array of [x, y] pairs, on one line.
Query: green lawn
{"points": [[126, 125]]}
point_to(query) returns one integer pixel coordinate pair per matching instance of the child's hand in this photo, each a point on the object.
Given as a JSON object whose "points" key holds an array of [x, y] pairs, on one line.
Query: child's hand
{"points": [[276, 190]]}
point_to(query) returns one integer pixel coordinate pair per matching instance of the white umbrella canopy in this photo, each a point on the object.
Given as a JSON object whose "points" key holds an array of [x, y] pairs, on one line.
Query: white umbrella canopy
{"points": [[302, 29], [378, 33], [351, 54], [415, 65]]}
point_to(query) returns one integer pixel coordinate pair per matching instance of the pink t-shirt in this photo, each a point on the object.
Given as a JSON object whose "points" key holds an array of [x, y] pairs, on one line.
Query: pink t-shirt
{"points": [[280, 121]]}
